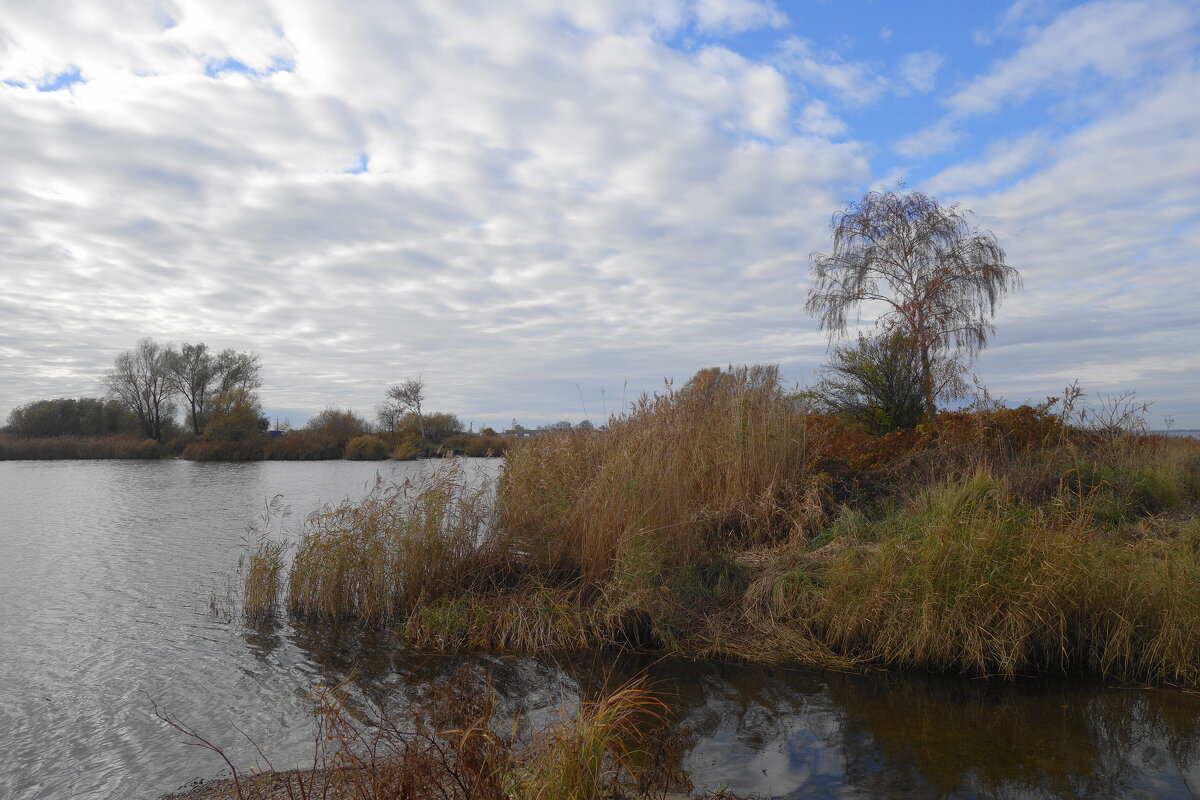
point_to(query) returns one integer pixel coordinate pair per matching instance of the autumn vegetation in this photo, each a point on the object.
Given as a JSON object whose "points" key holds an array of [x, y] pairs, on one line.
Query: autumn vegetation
{"points": [[724, 519], [851, 525], [451, 743]]}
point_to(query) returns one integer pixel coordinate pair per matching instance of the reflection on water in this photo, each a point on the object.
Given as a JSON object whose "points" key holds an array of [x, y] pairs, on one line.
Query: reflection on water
{"points": [[790, 732], [105, 575]]}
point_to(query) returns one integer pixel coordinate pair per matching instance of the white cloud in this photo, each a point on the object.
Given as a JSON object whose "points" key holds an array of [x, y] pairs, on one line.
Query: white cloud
{"points": [[853, 82], [1105, 237], [817, 119], [734, 16], [1115, 39], [566, 198], [1002, 160], [937, 138], [920, 70]]}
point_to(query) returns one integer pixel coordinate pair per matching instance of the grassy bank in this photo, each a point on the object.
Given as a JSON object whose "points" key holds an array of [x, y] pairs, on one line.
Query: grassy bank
{"points": [[720, 519], [13, 448], [311, 446]]}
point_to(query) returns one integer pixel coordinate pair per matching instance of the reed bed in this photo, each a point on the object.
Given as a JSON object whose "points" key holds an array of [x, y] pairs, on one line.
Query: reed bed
{"points": [[724, 461], [402, 546], [720, 519], [83, 447]]}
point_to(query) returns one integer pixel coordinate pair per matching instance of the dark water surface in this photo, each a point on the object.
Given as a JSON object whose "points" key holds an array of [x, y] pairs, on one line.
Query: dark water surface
{"points": [[106, 573]]}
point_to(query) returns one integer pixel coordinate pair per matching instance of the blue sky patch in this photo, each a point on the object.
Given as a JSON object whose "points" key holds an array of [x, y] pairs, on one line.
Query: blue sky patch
{"points": [[62, 80]]}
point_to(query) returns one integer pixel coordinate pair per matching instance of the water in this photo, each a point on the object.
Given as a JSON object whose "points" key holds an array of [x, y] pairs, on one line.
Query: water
{"points": [[107, 569]]}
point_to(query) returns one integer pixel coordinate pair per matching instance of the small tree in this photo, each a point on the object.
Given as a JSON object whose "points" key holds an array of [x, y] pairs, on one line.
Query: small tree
{"points": [[235, 416], [938, 277], [405, 398], [874, 384]]}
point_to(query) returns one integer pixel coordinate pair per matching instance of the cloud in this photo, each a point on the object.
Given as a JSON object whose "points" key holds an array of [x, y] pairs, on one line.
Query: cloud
{"points": [[937, 138], [1115, 39], [920, 70], [817, 119], [1104, 234], [734, 16], [478, 196], [853, 82], [1003, 159]]}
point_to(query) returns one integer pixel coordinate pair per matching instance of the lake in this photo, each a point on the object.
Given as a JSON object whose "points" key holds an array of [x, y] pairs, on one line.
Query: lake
{"points": [[108, 570]]}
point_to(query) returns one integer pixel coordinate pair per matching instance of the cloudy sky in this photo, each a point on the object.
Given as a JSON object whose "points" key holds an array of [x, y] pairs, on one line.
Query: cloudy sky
{"points": [[545, 207]]}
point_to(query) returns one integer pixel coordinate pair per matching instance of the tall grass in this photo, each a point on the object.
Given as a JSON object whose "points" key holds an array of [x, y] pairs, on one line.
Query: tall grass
{"points": [[401, 546], [721, 520], [724, 461], [83, 447], [590, 752]]}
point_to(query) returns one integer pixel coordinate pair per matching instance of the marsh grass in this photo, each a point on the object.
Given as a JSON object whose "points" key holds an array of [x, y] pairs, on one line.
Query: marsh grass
{"points": [[722, 461], [401, 546], [719, 519], [82, 447]]}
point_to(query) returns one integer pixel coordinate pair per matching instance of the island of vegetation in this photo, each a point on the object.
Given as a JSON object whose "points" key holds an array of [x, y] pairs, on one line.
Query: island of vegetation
{"points": [[851, 526]]}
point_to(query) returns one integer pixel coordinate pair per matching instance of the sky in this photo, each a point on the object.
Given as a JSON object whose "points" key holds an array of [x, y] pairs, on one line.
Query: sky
{"points": [[545, 208]]}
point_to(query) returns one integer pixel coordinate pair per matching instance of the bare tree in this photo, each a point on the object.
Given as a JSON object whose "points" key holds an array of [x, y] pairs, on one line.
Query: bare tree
{"points": [[939, 278], [199, 376], [138, 379], [406, 398]]}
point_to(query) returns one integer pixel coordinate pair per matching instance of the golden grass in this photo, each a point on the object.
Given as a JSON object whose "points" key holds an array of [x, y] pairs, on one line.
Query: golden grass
{"points": [[595, 749], [721, 520], [724, 459], [400, 547]]}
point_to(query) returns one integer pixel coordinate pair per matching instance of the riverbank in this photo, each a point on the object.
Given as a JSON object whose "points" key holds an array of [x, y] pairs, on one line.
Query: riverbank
{"points": [[720, 520], [295, 446]]}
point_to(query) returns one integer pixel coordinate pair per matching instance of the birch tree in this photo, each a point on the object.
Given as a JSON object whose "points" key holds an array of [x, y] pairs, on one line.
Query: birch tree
{"points": [[937, 277]]}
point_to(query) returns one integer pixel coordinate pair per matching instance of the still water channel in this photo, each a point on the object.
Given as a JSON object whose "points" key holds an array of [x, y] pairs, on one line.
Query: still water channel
{"points": [[107, 569]]}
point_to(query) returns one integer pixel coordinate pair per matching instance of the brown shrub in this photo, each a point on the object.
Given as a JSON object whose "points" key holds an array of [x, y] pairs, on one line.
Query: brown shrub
{"points": [[366, 448]]}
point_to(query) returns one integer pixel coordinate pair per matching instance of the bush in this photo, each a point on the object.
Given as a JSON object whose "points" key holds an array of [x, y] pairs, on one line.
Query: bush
{"points": [[231, 450], [338, 425], [366, 448], [407, 447], [875, 385], [302, 446]]}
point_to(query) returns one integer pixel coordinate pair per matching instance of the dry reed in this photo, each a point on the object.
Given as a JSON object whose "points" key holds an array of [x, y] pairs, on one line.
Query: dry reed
{"points": [[401, 546], [721, 520]]}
